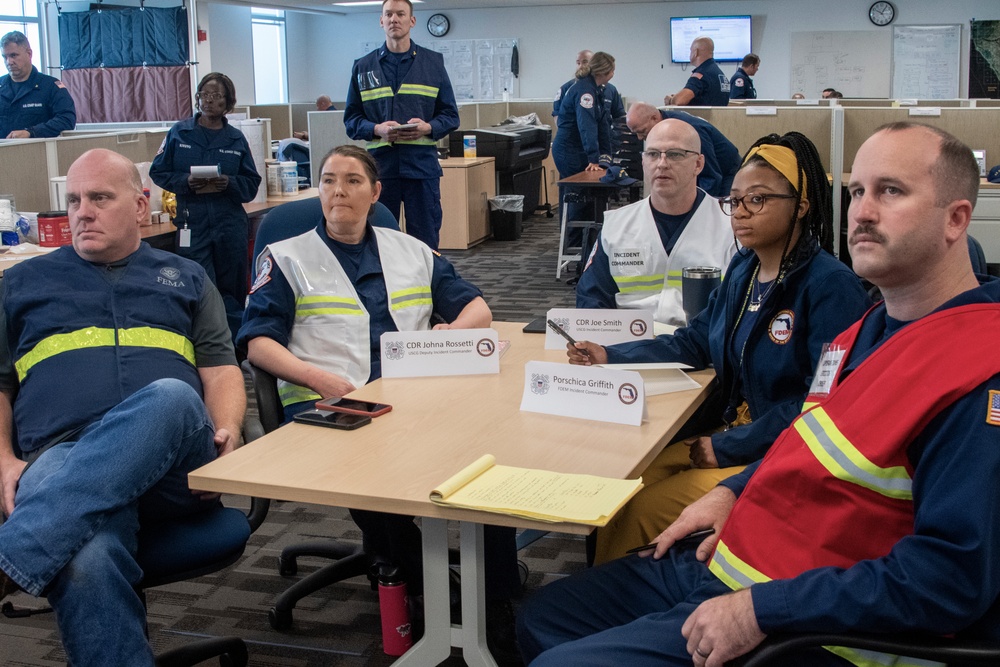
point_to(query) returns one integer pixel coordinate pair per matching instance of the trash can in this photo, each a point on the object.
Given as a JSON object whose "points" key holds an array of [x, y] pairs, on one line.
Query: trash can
{"points": [[505, 216]]}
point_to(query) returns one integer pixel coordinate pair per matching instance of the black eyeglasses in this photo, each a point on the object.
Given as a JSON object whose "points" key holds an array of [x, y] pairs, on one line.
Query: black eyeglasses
{"points": [[211, 97], [752, 202], [672, 155]]}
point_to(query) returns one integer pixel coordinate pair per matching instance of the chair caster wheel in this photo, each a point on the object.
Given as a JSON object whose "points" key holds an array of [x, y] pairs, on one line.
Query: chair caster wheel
{"points": [[280, 619], [287, 567]]}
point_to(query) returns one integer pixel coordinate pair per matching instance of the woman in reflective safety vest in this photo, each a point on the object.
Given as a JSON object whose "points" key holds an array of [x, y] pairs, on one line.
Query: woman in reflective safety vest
{"points": [[784, 297]]}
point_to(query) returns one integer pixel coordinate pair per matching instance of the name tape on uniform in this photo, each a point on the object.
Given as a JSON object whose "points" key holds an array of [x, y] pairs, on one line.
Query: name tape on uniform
{"points": [[434, 353], [604, 326], [584, 392]]}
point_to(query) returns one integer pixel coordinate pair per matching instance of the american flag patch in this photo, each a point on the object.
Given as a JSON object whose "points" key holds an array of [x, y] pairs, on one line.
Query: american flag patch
{"points": [[993, 412]]}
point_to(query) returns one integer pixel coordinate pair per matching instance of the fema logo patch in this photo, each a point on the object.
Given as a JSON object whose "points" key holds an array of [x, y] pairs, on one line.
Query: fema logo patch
{"points": [[539, 384], [780, 329], [587, 101], [637, 328], [394, 350], [628, 394], [170, 273], [485, 347]]}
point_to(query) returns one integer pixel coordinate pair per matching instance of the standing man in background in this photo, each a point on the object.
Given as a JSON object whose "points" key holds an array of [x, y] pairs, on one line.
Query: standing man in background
{"points": [[400, 100], [707, 85], [741, 85], [582, 58], [32, 104], [324, 103]]}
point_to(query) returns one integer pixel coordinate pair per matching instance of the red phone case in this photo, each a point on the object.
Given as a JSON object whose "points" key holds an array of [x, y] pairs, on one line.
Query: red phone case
{"points": [[333, 407]]}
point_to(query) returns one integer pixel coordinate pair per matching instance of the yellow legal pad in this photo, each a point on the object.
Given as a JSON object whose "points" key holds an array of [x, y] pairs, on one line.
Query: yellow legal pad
{"points": [[535, 494]]}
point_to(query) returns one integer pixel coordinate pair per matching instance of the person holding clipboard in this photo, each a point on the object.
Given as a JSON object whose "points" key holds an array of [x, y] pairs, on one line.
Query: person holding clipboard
{"points": [[763, 330]]}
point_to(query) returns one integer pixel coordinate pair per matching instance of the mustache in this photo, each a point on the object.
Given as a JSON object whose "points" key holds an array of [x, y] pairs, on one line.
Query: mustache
{"points": [[868, 230]]}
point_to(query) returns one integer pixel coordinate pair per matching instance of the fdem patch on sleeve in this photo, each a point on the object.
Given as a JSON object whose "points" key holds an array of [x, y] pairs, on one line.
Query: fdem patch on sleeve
{"points": [[263, 274]]}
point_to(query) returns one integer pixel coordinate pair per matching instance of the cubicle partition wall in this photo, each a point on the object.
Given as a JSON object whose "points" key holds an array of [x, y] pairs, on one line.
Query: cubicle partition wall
{"points": [[25, 173], [300, 117], [326, 131], [280, 115]]}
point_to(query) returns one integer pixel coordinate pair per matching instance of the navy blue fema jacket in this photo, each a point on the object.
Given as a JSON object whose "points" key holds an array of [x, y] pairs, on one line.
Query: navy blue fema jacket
{"points": [[823, 296]]}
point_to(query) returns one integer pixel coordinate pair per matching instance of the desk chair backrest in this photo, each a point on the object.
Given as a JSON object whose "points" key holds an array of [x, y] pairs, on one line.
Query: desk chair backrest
{"points": [[298, 217], [977, 256]]}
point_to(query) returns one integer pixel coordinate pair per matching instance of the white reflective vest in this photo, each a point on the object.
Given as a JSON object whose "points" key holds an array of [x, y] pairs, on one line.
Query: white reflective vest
{"points": [[331, 326], [646, 277]]}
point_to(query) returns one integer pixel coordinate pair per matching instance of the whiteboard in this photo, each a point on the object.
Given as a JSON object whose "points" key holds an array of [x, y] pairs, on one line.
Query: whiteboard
{"points": [[926, 61], [855, 62]]}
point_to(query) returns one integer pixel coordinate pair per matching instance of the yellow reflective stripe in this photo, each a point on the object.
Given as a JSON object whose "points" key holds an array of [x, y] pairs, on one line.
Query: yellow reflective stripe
{"points": [[165, 340], [326, 305], [732, 571], [92, 337], [378, 143], [809, 404], [843, 460], [864, 658], [674, 278], [417, 89], [652, 283], [376, 94], [411, 296], [293, 393], [422, 141]]}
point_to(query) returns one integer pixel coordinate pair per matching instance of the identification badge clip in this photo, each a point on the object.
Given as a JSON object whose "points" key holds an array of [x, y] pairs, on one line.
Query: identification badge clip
{"points": [[827, 369], [184, 238]]}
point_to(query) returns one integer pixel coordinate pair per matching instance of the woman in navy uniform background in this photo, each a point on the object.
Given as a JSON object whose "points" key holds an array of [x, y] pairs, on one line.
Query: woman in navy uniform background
{"points": [[583, 142], [212, 208]]}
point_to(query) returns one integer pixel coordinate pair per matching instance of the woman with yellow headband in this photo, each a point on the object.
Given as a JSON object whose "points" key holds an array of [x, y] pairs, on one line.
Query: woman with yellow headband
{"points": [[784, 297]]}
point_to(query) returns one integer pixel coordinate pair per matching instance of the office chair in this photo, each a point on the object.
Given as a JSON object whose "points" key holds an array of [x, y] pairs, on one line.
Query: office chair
{"points": [[954, 652], [349, 560], [298, 217], [190, 547]]}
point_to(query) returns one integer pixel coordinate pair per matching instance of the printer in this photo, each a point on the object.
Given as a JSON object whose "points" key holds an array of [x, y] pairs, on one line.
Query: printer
{"points": [[518, 151]]}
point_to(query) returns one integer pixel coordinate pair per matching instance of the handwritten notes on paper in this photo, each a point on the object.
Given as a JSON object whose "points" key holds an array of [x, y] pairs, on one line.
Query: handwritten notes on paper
{"points": [[535, 494]]}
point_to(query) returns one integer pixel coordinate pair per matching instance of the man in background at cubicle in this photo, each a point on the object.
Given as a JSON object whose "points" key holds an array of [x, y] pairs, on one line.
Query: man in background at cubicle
{"points": [[643, 247], [132, 345], [402, 84], [707, 86], [32, 104], [832, 94], [722, 158], [324, 103], [741, 85], [582, 58], [875, 511]]}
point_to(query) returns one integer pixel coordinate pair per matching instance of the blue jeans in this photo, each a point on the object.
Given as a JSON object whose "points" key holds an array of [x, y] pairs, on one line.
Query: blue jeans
{"points": [[73, 533], [626, 612]]}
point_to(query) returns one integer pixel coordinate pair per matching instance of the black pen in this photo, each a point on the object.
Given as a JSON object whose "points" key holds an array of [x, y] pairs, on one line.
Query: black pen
{"points": [[687, 540], [562, 332]]}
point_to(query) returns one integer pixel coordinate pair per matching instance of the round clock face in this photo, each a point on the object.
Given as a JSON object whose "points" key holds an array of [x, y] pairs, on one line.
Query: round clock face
{"points": [[882, 13], [438, 25]]}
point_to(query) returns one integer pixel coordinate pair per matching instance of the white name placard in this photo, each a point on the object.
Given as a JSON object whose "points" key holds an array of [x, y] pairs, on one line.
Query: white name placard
{"points": [[445, 352], [604, 326], [584, 392]]}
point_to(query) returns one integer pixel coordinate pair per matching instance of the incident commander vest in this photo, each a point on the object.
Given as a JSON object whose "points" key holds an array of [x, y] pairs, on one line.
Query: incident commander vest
{"points": [[836, 487], [331, 326], [81, 344], [646, 277]]}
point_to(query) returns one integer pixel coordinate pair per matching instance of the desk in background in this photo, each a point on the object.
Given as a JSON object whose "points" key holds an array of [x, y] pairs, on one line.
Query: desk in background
{"points": [[437, 427]]}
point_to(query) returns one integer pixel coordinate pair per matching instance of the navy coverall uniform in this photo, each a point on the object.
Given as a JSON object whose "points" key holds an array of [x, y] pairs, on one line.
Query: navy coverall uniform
{"points": [[709, 85], [722, 158], [741, 86], [217, 220], [40, 104], [387, 86]]}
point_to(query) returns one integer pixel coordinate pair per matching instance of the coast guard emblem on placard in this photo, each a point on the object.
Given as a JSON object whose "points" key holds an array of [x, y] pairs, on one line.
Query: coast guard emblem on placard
{"points": [[394, 350], [539, 383], [563, 322]]}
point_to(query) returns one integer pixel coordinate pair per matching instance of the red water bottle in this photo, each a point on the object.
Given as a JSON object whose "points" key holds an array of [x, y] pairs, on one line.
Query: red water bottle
{"points": [[397, 635]]}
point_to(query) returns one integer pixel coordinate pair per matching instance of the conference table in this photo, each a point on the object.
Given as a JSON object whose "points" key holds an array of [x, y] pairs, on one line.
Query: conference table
{"points": [[438, 426]]}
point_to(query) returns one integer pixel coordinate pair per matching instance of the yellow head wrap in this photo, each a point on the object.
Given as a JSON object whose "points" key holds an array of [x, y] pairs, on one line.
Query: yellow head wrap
{"points": [[783, 160]]}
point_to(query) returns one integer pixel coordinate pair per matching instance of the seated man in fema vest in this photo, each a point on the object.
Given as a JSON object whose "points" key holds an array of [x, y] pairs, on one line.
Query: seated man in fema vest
{"points": [[643, 247], [876, 509], [117, 378]]}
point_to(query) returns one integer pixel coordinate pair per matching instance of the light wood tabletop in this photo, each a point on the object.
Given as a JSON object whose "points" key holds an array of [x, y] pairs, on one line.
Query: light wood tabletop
{"points": [[438, 426]]}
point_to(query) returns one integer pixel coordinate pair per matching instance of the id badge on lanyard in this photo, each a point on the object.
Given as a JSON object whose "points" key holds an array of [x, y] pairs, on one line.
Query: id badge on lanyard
{"points": [[827, 369]]}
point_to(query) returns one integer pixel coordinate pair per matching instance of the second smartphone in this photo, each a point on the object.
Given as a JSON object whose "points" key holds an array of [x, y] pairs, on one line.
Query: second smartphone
{"points": [[353, 406]]}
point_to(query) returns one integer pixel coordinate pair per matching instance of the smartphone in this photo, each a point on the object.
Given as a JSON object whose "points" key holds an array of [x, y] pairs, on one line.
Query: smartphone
{"points": [[691, 539], [341, 420], [406, 126], [353, 406], [562, 332]]}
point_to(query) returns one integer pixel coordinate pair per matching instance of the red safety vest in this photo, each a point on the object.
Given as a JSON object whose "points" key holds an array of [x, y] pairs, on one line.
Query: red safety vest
{"points": [[836, 487]]}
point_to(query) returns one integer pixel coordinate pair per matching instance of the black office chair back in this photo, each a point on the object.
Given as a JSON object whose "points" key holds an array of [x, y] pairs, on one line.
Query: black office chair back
{"points": [[265, 389]]}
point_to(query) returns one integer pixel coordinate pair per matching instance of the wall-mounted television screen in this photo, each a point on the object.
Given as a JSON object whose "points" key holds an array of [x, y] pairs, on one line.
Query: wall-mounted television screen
{"points": [[731, 35]]}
